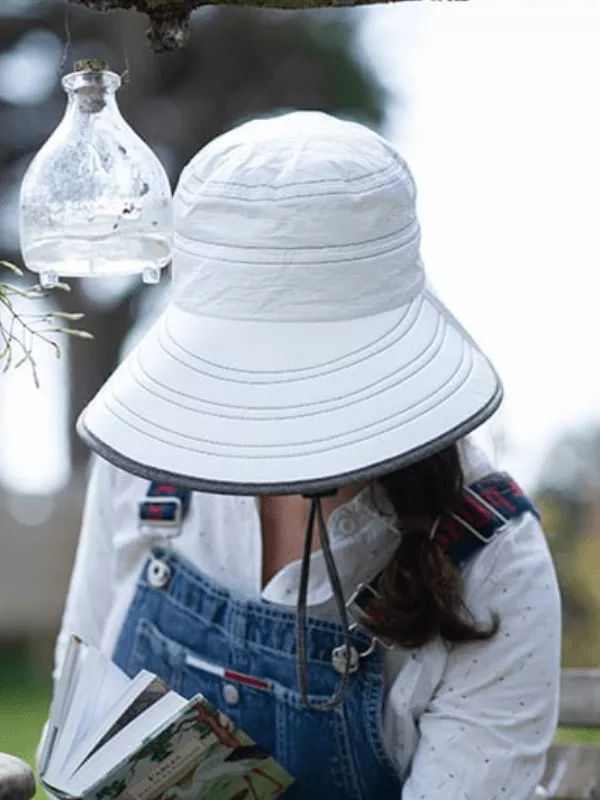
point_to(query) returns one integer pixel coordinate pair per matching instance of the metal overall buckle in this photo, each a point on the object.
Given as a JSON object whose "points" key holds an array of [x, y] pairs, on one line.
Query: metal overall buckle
{"points": [[340, 656], [167, 528]]}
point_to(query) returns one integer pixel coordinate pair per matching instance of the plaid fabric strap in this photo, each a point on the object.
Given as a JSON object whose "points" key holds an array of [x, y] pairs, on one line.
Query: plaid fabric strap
{"points": [[485, 508], [164, 505]]}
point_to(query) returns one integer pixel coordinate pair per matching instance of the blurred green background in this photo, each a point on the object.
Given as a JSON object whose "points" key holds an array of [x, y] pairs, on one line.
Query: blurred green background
{"points": [[24, 701]]}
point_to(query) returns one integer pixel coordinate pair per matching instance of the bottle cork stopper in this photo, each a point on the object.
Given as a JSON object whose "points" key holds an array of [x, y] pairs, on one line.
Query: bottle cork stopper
{"points": [[90, 65]]}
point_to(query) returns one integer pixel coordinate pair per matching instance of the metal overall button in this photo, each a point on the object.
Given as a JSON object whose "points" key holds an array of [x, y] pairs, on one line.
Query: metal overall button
{"points": [[340, 656], [158, 574], [231, 694]]}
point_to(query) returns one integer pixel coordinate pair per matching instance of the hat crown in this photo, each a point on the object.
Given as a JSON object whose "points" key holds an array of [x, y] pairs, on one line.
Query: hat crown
{"points": [[301, 216]]}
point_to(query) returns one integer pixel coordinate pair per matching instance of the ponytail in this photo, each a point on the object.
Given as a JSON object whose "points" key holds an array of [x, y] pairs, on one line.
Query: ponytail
{"points": [[422, 594]]}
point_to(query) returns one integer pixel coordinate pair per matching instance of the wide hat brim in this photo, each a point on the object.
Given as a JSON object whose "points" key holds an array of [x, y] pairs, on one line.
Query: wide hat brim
{"points": [[261, 407]]}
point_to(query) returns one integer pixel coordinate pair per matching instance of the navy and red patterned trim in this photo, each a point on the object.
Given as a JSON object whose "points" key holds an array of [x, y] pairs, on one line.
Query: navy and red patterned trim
{"points": [[485, 508], [164, 504]]}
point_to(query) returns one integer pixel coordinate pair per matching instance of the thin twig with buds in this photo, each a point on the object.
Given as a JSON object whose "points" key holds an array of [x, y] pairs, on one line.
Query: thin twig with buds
{"points": [[18, 335]]}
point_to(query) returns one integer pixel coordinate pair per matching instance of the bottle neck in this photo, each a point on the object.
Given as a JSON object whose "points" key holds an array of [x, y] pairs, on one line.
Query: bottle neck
{"points": [[83, 110], [92, 92]]}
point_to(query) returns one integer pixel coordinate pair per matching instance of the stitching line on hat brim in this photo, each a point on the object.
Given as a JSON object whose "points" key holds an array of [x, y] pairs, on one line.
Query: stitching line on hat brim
{"points": [[365, 392], [353, 358], [402, 325], [349, 438], [294, 487]]}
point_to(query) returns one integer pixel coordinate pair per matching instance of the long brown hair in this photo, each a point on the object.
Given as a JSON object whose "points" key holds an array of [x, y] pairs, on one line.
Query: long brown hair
{"points": [[421, 589]]}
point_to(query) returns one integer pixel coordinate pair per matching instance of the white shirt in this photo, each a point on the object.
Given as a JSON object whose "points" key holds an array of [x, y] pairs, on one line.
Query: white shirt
{"points": [[472, 722]]}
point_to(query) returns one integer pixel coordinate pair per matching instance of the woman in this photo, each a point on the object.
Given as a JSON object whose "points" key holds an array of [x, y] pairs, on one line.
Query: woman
{"points": [[304, 378]]}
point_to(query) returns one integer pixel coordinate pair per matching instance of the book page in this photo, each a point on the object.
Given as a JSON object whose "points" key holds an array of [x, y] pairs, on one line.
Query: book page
{"points": [[76, 707], [143, 691], [112, 683], [124, 743], [100, 680], [63, 694], [150, 694]]}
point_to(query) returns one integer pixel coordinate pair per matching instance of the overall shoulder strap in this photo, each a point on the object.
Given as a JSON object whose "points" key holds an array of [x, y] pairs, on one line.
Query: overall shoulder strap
{"points": [[485, 508], [165, 506], [483, 511]]}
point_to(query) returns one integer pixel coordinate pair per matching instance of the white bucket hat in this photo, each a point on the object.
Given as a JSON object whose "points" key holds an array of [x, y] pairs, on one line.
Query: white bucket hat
{"points": [[300, 349]]}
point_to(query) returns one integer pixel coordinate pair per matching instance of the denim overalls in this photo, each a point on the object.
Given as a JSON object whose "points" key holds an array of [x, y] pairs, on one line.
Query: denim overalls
{"points": [[240, 654]]}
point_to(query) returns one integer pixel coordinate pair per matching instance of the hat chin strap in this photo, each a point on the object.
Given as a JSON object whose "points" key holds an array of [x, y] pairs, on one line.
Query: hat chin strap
{"points": [[316, 512]]}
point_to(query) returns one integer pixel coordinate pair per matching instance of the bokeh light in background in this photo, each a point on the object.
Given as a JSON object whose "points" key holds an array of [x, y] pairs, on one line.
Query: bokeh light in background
{"points": [[32, 430], [26, 74]]}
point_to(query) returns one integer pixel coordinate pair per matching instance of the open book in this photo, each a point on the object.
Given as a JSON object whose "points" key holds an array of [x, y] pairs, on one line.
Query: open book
{"points": [[110, 736]]}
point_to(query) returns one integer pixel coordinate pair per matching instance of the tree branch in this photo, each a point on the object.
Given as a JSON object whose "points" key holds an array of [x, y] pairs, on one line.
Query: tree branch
{"points": [[170, 19]]}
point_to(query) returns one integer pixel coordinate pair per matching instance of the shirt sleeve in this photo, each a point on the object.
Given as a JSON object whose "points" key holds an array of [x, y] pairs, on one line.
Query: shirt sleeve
{"points": [[485, 732], [91, 589]]}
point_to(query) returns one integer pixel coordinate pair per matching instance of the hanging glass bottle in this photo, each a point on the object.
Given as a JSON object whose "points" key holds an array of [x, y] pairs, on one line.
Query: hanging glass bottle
{"points": [[95, 200]]}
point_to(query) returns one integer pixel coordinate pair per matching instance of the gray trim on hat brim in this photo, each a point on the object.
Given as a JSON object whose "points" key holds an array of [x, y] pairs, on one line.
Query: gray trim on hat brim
{"points": [[310, 487]]}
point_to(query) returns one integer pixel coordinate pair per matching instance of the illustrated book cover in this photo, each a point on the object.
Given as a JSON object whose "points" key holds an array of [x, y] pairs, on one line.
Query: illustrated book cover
{"points": [[111, 737]]}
